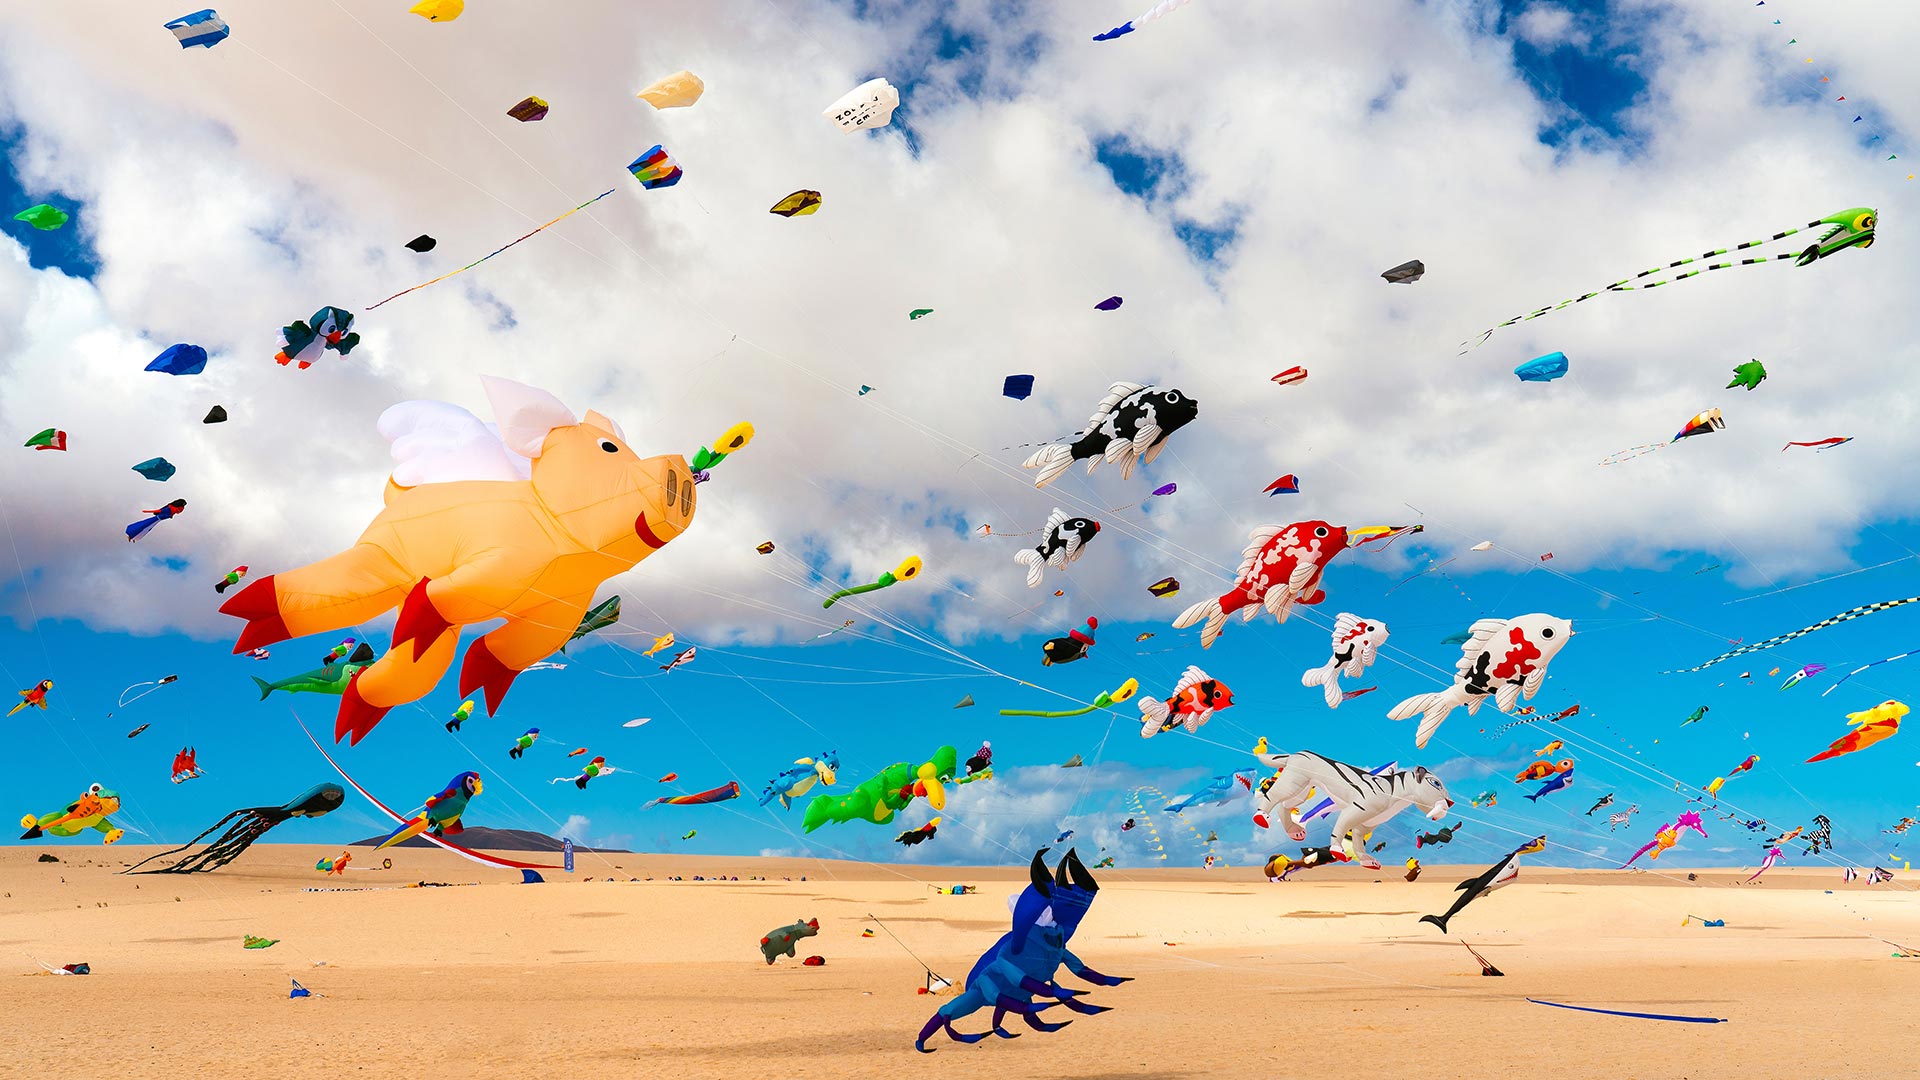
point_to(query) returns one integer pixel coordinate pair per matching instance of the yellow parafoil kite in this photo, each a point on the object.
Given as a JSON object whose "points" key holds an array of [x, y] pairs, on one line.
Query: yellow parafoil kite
{"points": [[798, 204], [522, 523], [676, 91], [438, 10]]}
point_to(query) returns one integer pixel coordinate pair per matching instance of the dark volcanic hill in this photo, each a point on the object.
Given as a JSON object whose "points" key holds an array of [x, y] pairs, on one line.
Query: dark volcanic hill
{"points": [[484, 839]]}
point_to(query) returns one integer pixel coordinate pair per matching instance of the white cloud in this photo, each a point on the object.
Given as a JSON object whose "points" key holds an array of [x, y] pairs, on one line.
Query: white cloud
{"points": [[575, 829], [226, 198], [1546, 26]]}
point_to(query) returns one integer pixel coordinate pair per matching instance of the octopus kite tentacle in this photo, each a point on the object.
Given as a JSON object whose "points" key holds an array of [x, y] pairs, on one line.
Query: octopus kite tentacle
{"points": [[254, 821]]}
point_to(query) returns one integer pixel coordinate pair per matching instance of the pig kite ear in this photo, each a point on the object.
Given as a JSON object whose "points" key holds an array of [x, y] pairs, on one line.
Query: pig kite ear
{"points": [[525, 414], [594, 419]]}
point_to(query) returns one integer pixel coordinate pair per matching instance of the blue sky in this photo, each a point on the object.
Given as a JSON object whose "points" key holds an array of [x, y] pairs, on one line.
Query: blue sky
{"points": [[1026, 168], [876, 701]]}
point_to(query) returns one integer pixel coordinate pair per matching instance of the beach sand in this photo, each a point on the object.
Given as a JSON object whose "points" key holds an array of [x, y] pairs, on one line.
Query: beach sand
{"points": [[1329, 974]]}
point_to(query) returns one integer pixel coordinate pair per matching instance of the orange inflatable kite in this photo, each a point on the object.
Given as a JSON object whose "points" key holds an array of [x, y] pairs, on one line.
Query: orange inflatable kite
{"points": [[522, 522]]}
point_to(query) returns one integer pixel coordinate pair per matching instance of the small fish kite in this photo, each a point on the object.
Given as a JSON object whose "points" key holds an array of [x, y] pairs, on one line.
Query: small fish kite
{"points": [[918, 313], [908, 569], [1286, 485], [684, 656], [1290, 376], [599, 617], [1356, 644], [1131, 425], [1111, 303], [1063, 540], [1196, 697]]}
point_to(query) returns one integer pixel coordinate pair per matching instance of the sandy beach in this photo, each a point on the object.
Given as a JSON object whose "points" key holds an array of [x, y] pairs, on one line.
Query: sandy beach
{"points": [[1328, 974]]}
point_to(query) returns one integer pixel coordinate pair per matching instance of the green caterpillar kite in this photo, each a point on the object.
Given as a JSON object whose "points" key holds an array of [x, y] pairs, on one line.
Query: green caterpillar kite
{"points": [[1850, 228]]}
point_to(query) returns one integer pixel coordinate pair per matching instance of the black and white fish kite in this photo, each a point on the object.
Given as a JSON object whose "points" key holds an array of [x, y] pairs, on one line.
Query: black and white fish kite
{"points": [[1065, 541], [1130, 426]]}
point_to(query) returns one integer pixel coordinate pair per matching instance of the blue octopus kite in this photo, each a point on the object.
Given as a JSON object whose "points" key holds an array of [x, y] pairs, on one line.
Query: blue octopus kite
{"points": [[1022, 964]]}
